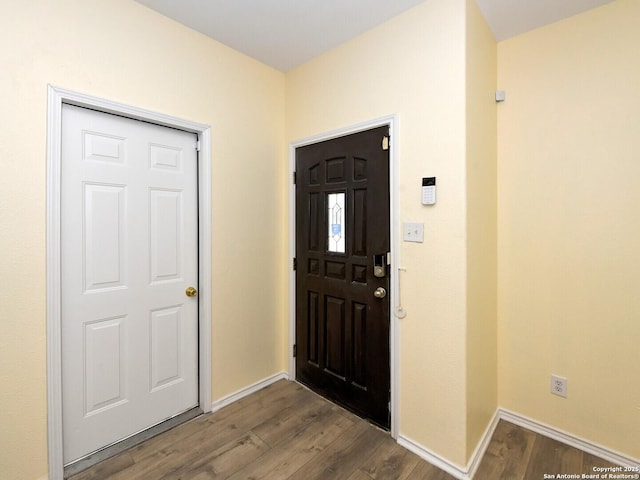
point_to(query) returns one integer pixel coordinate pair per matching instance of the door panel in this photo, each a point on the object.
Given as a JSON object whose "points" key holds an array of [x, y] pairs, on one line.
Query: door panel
{"points": [[342, 218], [165, 329], [104, 227], [105, 363], [165, 232], [129, 251]]}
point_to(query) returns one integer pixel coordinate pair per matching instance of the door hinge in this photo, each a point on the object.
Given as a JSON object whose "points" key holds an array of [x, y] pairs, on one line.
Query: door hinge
{"points": [[385, 142], [197, 145], [294, 178], [295, 263], [295, 350], [388, 258]]}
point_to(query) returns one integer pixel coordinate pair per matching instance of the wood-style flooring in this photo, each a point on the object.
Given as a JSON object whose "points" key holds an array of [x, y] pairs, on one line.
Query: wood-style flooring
{"points": [[515, 453], [287, 432]]}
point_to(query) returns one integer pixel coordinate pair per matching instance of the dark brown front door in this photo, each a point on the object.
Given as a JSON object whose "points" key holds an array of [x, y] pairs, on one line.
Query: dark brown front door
{"points": [[342, 303]]}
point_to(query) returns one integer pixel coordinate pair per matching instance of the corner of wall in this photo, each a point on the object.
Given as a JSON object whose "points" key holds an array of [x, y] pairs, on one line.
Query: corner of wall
{"points": [[481, 221]]}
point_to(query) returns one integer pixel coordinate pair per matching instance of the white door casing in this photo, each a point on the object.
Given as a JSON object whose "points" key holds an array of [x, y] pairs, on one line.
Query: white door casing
{"points": [[393, 122], [56, 98], [129, 249]]}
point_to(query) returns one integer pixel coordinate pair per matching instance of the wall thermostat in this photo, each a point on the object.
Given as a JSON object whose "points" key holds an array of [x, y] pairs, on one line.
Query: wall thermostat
{"points": [[429, 190]]}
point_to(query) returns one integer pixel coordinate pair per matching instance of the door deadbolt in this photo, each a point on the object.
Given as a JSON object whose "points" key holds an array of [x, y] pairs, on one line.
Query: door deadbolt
{"points": [[191, 292], [379, 264]]}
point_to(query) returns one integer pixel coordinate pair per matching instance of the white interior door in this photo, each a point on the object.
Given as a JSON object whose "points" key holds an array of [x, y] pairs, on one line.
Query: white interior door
{"points": [[129, 249]]}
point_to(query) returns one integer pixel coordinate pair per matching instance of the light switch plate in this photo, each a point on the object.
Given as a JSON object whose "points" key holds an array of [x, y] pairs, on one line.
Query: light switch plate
{"points": [[413, 232]]}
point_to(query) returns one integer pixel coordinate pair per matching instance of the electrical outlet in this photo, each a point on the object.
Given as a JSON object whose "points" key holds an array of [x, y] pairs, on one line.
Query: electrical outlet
{"points": [[559, 386]]}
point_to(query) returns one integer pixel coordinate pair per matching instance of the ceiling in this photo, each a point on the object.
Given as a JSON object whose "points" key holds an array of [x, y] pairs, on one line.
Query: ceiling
{"points": [[287, 33]]}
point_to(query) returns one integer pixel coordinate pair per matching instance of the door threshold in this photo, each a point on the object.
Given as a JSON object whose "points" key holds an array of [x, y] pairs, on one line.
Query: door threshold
{"points": [[120, 446], [346, 408]]}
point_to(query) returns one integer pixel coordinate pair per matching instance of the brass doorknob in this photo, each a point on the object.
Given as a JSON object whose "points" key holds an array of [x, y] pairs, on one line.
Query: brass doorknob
{"points": [[380, 292], [191, 292]]}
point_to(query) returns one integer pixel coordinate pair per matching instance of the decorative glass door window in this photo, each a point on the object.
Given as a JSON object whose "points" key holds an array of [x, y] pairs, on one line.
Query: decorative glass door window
{"points": [[335, 220]]}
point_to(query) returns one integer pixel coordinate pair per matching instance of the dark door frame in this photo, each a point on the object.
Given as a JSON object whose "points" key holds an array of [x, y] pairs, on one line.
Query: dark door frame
{"points": [[394, 341]]}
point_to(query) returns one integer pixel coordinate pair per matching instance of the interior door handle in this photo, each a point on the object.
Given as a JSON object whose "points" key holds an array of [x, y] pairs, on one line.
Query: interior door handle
{"points": [[380, 292], [191, 292]]}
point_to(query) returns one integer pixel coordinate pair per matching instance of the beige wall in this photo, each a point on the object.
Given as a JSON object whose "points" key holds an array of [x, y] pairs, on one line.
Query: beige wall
{"points": [[122, 51], [482, 376], [569, 224], [566, 199], [415, 66]]}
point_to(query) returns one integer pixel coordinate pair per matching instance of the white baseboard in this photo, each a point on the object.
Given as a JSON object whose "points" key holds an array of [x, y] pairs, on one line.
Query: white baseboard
{"points": [[459, 472], [243, 392], [469, 471], [568, 439], [485, 440], [433, 458]]}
